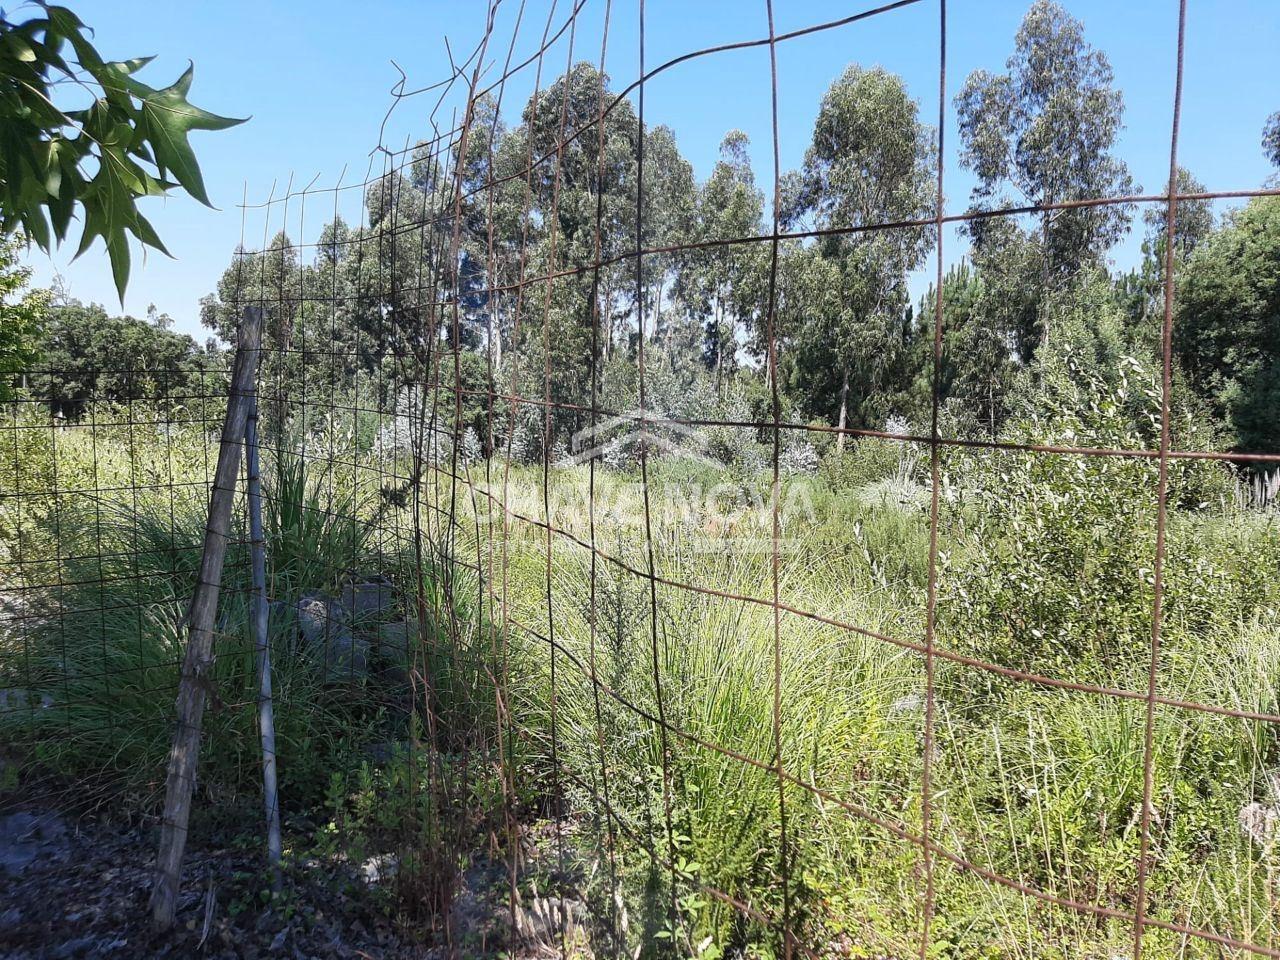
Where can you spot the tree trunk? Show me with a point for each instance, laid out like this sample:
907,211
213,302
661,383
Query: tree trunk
669,344
606,319
657,311
844,411
197,668
719,346
1044,278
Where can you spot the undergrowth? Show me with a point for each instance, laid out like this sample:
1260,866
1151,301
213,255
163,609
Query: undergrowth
531,692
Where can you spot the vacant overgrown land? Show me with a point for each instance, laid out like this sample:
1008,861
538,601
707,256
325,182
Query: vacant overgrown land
1044,566
670,560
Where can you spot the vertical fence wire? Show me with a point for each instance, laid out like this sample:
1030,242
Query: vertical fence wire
1162,500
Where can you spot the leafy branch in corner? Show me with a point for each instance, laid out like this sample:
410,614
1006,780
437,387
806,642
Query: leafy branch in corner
129,142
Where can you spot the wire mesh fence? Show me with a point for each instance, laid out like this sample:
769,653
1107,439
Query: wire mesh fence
527,656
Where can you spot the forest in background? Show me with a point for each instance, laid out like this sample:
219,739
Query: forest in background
853,350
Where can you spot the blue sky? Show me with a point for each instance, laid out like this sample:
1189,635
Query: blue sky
316,77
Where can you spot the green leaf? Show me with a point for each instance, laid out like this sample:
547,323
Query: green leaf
37,227
168,118
109,212
131,135
146,233
19,48
118,251
53,168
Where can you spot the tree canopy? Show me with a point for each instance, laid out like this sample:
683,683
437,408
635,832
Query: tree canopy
1227,334
1040,134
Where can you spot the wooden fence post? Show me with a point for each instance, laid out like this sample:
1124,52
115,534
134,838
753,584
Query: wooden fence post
266,710
197,667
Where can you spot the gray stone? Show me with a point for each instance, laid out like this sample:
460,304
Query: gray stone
912,704
379,869
396,641
347,656
369,599
1272,778
17,700
26,838
318,617
1258,821
325,627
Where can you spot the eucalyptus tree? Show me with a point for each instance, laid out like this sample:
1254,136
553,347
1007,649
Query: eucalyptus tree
978,368
1227,331
271,278
871,163
722,280
1193,220
1043,134
469,181
1271,139
402,270
578,195
670,214
1142,289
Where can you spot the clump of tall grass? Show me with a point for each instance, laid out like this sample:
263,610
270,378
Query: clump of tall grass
103,638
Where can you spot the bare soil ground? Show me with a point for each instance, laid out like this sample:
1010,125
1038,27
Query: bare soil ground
74,885
78,888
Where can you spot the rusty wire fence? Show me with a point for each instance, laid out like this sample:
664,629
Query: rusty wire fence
504,636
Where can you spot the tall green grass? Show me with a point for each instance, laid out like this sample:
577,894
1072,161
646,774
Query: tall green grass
1041,566
1039,785
105,636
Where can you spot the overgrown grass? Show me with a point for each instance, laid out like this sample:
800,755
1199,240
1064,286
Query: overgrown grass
1043,566
104,632
1040,785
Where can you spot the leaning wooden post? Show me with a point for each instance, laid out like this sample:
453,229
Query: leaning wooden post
197,667
266,712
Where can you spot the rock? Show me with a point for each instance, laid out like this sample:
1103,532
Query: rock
1259,821
1272,778
346,656
17,700
27,837
380,868
368,599
912,704
325,627
396,640
318,617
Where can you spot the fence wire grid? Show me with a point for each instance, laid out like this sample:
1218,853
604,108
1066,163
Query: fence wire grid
447,553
